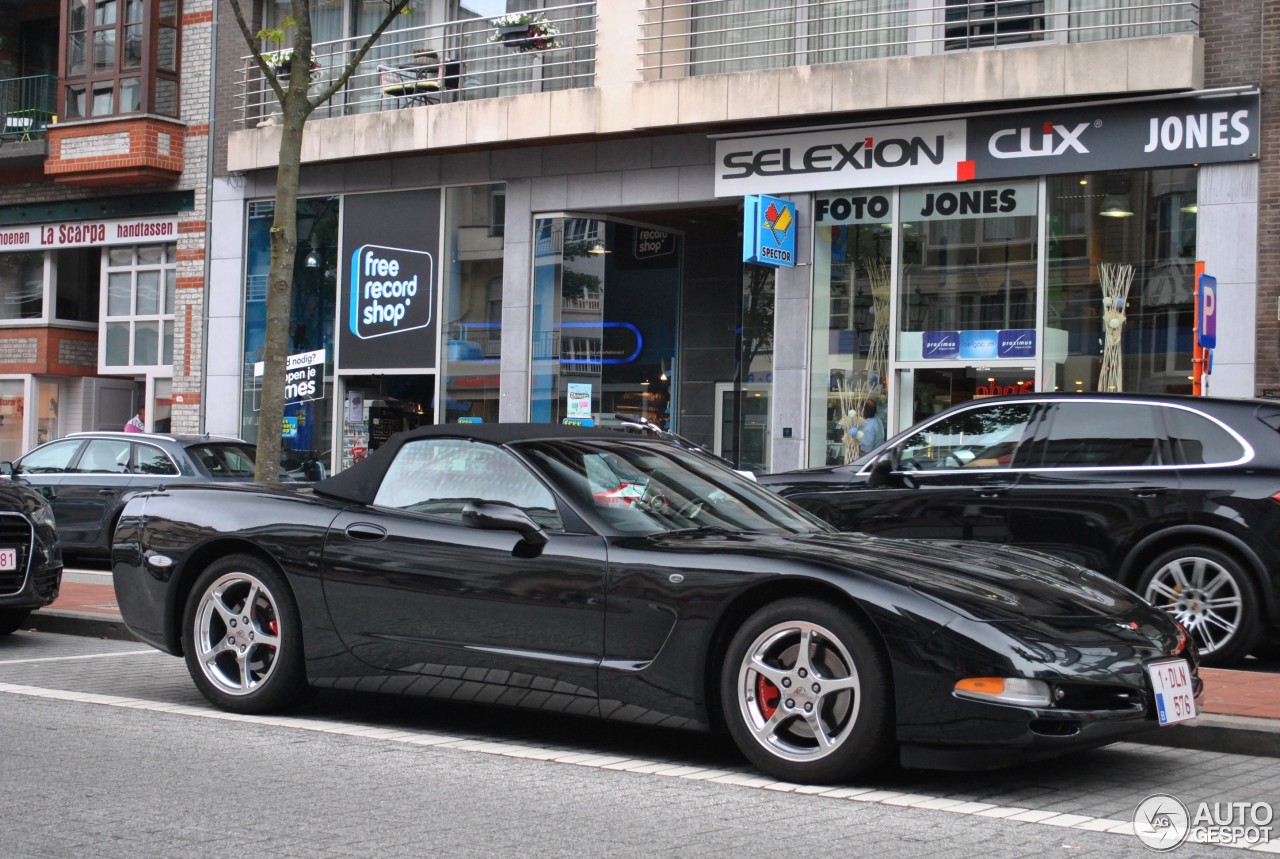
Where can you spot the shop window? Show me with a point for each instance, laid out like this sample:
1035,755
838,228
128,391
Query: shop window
77,274
22,285
308,432
137,308
473,301
121,57
852,265
1133,234
968,264
604,321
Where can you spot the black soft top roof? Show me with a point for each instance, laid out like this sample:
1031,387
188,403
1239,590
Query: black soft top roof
360,482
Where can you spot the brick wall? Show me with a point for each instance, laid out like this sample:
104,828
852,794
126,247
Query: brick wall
1240,49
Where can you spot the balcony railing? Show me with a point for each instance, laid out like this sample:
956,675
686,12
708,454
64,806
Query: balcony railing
683,38
26,107
446,62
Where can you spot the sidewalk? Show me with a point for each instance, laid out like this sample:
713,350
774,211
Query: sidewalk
1240,710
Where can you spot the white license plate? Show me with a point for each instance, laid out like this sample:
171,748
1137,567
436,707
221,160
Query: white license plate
8,559
1175,701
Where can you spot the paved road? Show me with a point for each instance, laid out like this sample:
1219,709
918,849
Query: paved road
108,750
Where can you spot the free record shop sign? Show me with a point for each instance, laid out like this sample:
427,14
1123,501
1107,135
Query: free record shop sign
390,291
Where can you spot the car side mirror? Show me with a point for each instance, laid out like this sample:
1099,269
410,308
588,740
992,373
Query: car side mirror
880,470
491,516
6,469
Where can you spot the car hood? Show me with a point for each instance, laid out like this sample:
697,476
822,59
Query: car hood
983,581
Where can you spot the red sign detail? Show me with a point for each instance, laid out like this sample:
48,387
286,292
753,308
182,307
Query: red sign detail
964,171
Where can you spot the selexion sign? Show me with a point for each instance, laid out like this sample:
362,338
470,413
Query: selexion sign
1053,140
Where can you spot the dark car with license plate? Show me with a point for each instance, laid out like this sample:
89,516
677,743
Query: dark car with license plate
30,557
1176,497
87,477
594,572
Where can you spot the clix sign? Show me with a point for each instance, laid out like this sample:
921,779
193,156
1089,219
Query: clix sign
1051,140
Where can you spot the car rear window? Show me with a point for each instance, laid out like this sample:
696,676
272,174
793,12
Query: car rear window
1197,440
223,459
1101,435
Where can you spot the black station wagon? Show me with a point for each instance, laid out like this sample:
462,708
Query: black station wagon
1176,497
87,477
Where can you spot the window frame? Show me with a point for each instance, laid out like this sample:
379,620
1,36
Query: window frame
167,269
77,87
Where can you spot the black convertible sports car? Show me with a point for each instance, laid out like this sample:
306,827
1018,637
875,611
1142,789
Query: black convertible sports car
594,572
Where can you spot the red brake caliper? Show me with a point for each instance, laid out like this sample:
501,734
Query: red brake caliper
273,626
767,694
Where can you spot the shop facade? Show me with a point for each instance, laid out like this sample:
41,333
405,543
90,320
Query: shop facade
87,316
1064,259
939,260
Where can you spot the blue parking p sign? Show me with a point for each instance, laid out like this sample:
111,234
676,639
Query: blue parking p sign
1207,312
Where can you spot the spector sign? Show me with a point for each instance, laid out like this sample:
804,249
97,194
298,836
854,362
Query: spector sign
769,231
78,234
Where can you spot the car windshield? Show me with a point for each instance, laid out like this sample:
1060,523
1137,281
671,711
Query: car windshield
642,487
223,459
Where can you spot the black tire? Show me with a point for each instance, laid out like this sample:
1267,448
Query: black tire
844,686
12,619
1211,595
242,637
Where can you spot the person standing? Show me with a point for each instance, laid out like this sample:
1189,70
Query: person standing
871,434
137,423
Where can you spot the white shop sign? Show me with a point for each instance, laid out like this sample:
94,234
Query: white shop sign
77,234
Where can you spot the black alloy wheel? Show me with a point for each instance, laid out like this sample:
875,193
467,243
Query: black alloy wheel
242,637
807,694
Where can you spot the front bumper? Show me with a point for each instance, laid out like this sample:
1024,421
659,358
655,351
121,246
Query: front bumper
973,734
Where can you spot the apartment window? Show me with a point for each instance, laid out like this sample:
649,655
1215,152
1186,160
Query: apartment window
993,23
137,308
121,57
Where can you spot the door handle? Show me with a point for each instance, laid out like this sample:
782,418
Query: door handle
366,532
991,491
1147,491
106,492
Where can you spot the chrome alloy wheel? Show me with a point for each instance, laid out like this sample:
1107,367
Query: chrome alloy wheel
798,691
1203,595
237,633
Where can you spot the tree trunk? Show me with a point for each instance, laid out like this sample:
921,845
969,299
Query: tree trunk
284,247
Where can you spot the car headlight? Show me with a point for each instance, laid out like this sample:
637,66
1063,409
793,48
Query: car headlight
44,516
1018,691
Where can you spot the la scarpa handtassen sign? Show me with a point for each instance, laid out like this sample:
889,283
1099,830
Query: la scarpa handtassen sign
390,291
76,234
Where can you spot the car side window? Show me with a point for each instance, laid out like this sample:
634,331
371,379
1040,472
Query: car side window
104,456
1197,440
1093,434
981,437
53,458
149,459
440,476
